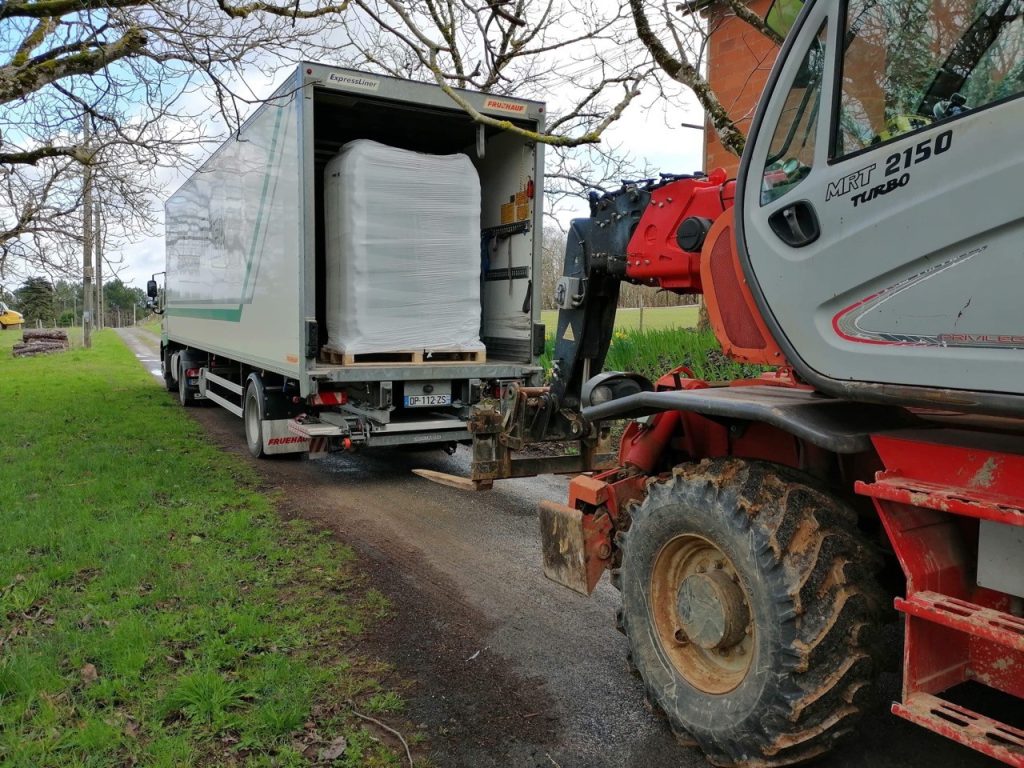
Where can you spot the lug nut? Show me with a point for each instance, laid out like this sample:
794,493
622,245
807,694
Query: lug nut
681,637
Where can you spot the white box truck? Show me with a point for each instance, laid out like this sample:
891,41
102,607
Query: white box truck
246,294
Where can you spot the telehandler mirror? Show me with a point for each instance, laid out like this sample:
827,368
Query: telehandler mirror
151,289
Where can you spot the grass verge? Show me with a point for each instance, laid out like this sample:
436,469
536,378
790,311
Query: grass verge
655,352
654,318
154,610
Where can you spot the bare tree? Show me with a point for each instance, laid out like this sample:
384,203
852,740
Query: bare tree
584,54
677,35
144,73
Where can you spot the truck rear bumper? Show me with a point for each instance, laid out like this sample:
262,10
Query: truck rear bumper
345,434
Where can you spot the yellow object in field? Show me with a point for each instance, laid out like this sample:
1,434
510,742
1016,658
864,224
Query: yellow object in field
9,318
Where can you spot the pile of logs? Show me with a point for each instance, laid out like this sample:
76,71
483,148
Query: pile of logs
41,341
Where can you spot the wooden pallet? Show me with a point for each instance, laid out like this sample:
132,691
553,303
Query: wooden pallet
403,356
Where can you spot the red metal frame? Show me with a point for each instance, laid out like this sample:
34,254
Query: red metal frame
603,499
934,489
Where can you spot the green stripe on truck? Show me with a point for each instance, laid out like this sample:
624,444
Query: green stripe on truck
228,315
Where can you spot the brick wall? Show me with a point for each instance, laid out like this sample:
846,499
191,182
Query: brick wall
739,61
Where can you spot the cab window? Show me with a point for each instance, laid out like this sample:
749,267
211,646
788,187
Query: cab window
791,153
910,63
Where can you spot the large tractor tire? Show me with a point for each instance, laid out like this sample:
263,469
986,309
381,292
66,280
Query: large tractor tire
749,602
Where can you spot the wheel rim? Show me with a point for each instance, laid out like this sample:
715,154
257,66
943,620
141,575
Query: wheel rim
182,385
702,614
252,421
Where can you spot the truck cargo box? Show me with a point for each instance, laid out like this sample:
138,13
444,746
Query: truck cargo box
247,288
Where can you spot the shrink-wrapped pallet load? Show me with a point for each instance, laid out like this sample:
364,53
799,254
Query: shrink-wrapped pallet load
403,251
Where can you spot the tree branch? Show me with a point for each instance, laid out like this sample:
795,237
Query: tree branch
682,71
292,12
17,82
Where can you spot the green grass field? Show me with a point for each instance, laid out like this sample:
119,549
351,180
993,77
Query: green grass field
654,318
154,610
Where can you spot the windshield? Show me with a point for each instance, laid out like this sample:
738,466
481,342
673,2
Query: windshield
910,63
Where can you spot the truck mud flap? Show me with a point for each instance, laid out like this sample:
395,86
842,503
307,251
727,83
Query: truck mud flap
278,438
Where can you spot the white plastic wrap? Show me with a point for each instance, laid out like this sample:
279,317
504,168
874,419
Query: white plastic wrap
403,250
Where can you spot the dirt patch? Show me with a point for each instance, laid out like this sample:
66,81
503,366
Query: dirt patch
475,709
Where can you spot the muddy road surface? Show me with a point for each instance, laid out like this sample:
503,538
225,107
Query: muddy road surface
507,669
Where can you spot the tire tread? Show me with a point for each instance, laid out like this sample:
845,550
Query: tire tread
820,573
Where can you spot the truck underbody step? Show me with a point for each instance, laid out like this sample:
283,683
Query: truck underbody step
986,623
971,729
315,429
891,486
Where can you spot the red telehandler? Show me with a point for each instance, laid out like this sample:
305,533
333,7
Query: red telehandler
870,255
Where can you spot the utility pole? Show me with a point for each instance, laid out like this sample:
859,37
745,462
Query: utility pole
87,237
98,242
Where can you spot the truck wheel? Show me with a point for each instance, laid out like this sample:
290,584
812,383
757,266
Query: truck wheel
749,604
185,395
252,417
165,369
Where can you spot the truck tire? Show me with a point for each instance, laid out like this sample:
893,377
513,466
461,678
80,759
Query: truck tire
165,369
252,416
749,603
185,394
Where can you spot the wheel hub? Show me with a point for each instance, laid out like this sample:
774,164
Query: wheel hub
702,614
712,611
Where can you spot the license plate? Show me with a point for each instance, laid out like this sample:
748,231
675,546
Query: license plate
425,401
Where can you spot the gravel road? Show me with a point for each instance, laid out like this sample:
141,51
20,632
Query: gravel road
507,669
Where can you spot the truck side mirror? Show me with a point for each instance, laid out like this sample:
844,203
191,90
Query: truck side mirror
151,289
